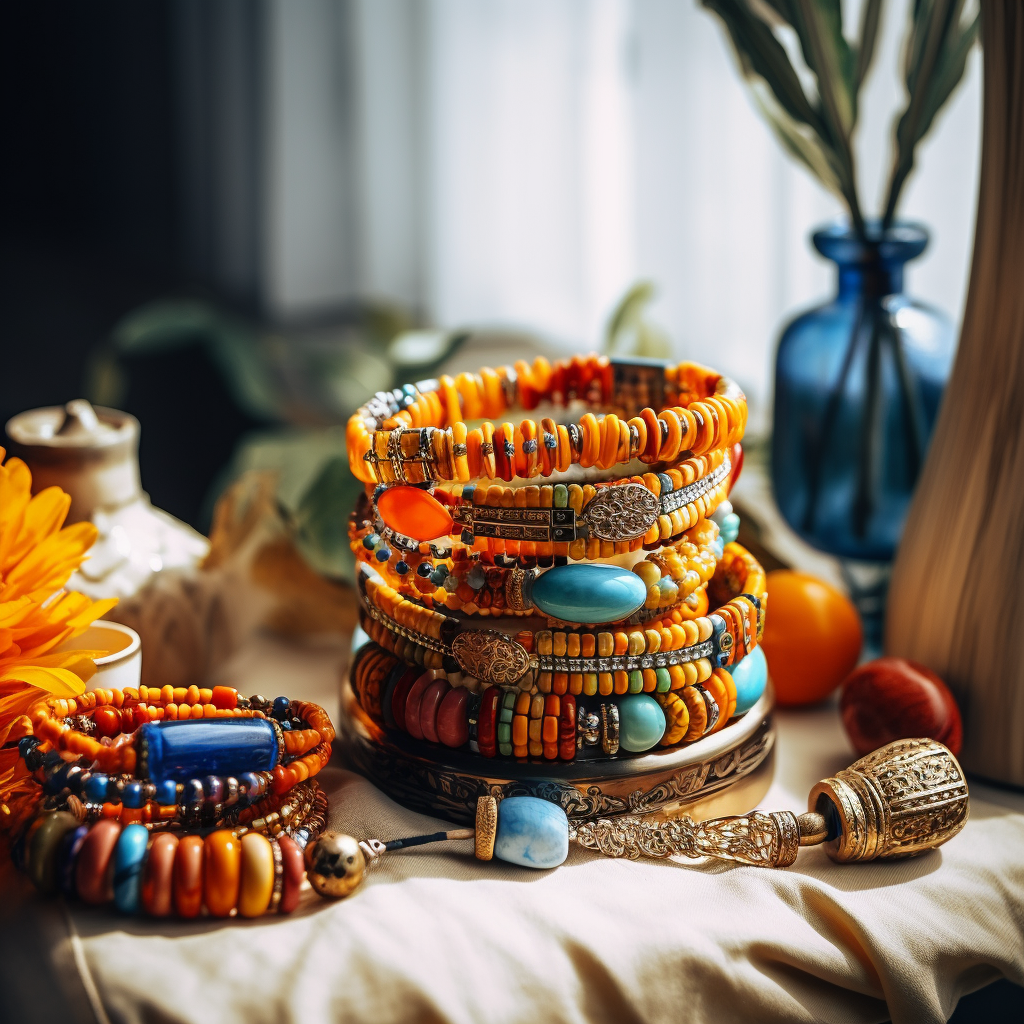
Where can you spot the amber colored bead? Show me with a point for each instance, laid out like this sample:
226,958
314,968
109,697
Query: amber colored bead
188,876
107,721
256,886
222,863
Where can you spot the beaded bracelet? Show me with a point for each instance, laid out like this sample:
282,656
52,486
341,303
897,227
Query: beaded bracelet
175,727
251,870
429,637
575,520
671,573
512,723
419,433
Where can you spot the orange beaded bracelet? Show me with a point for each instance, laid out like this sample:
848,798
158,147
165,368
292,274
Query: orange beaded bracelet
418,433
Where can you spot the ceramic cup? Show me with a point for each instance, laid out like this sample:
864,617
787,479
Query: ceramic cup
122,666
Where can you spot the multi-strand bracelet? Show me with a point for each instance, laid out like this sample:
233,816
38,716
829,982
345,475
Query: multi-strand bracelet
583,615
174,798
419,433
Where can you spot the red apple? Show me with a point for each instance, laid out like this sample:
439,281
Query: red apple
893,699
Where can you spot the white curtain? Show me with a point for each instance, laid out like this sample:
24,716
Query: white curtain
522,162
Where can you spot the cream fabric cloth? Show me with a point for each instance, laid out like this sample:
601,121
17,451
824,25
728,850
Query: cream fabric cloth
436,935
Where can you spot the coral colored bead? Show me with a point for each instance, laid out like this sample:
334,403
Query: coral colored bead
93,879
415,513
487,718
107,721
412,705
452,721
294,874
224,697
256,885
158,876
222,863
188,876
430,703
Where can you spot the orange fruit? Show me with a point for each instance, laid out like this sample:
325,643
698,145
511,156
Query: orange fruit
812,637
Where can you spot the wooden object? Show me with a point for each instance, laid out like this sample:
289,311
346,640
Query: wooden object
956,602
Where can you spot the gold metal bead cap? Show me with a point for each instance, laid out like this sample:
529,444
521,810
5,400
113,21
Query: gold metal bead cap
901,799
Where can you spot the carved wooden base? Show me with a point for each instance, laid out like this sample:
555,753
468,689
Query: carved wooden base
725,773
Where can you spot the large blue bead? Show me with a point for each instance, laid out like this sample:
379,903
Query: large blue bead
750,676
591,593
129,856
208,746
531,832
641,722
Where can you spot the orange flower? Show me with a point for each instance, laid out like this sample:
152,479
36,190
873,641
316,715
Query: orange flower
37,558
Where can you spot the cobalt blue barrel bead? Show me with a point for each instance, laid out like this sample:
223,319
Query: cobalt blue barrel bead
750,676
96,788
207,746
533,833
132,795
167,792
68,857
590,593
641,722
129,857
282,706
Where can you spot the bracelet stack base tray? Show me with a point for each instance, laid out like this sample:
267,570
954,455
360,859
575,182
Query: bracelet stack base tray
728,772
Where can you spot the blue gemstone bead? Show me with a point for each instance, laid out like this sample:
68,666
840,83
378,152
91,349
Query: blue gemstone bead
383,554
590,593
641,722
402,567
67,858
370,541
531,832
214,746
129,857
286,726
423,569
282,707
132,795
750,676
437,578
96,789
167,792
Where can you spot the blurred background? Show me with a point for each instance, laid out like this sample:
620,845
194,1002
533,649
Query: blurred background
218,214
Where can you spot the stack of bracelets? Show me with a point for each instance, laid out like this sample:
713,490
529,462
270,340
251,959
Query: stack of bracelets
174,800
594,612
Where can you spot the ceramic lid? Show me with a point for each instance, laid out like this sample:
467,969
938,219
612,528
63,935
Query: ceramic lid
75,426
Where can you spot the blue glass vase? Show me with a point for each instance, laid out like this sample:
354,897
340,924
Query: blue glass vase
858,383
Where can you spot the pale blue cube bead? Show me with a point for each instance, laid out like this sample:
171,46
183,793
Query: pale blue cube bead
533,833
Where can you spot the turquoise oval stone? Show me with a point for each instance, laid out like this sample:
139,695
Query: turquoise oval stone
531,832
750,676
591,593
641,722
129,857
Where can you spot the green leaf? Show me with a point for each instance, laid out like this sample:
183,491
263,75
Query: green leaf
935,58
628,331
870,17
321,520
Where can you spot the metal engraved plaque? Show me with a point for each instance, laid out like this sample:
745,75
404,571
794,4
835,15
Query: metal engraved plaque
621,513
